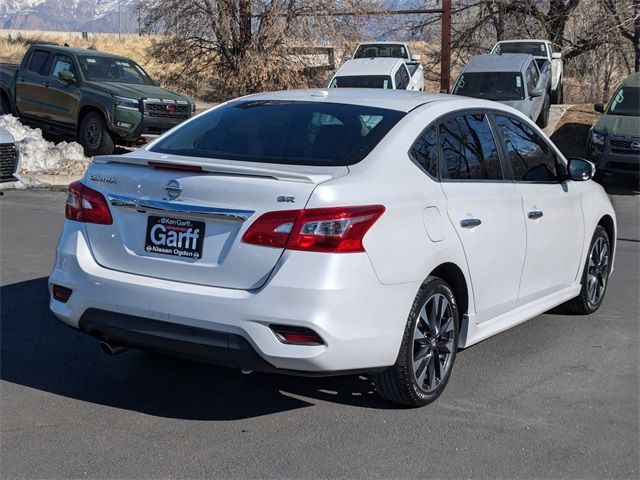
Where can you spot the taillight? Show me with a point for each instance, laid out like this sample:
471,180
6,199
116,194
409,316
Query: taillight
86,205
331,230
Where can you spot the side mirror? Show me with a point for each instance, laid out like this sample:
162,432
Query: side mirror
537,92
581,170
415,57
556,56
598,107
66,76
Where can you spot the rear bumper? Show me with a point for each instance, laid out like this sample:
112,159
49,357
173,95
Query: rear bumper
360,320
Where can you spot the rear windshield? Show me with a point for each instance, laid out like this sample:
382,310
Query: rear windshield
362,81
497,86
537,49
625,102
381,50
294,133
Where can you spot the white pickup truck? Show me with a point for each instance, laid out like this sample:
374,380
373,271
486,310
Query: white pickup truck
393,50
388,73
543,51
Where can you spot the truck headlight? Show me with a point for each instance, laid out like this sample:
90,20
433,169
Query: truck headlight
597,139
127,103
193,108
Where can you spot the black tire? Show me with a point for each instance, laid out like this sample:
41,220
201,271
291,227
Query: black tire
399,383
94,136
5,104
584,303
558,96
543,118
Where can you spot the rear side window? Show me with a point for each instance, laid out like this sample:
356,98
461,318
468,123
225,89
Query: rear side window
424,151
468,149
38,62
530,156
294,133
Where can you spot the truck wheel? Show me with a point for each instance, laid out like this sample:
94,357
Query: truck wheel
543,118
557,96
94,136
428,349
5,104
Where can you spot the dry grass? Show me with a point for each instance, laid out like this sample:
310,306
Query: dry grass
12,50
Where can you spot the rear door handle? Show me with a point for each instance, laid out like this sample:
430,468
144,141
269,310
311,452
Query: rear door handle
470,222
535,214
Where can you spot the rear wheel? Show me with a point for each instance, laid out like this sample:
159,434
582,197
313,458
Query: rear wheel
558,95
595,276
94,136
543,118
428,349
5,104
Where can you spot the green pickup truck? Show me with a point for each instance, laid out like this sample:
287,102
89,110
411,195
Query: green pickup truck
100,100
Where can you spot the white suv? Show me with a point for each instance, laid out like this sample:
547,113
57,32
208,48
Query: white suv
316,232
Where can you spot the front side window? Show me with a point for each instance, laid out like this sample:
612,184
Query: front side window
111,69
532,159
362,81
424,151
283,132
497,86
626,102
468,149
62,64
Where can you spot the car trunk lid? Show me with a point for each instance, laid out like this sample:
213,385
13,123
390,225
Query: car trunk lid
184,219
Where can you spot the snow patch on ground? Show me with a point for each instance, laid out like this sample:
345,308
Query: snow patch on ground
39,156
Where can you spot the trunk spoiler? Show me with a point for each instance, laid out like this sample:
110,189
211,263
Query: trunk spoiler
292,173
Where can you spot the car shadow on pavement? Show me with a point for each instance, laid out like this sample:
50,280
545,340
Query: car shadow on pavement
40,352
620,185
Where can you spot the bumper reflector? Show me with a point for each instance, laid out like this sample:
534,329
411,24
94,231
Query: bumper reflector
61,293
296,335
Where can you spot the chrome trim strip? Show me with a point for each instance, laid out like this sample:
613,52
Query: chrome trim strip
179,208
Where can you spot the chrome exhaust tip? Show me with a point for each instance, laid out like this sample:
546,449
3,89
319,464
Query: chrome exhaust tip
111,350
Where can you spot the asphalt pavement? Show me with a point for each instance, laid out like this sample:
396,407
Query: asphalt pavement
556,397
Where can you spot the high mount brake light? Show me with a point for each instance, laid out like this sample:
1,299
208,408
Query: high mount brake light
330,230
175,166
87,205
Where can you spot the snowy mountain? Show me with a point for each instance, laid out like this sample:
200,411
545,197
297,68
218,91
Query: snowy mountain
69,15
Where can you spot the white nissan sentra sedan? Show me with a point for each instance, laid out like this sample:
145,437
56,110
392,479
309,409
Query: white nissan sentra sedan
332,232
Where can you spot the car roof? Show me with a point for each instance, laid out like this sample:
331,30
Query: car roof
632,80
369,66
523,40
505,62
387,42
76,51
400,100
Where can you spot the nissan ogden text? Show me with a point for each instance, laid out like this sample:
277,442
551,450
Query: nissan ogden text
321,232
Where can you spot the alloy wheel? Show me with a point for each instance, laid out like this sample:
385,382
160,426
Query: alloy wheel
433,338
93,134
598,271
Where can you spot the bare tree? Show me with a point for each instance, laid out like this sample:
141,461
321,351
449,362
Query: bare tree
232,47
626,15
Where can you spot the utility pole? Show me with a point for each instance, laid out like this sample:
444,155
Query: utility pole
119,3
445,48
